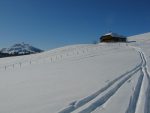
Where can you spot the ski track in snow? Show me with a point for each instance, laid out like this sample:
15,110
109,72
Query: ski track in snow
108,95
105,94
133,106
134,98
147,75
76,104
142,97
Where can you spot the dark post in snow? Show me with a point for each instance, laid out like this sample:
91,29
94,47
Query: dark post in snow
61,56
20,64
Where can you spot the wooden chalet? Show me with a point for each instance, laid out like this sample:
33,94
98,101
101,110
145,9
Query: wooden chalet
113,37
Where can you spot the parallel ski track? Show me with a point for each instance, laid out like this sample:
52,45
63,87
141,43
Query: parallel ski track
146,74
79,103
108,95
134,100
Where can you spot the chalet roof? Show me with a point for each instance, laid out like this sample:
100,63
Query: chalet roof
114,35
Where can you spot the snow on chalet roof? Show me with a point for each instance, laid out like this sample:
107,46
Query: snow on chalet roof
114,35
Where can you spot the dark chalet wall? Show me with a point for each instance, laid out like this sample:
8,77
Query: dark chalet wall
112,39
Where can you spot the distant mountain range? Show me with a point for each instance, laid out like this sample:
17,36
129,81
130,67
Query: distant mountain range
19,49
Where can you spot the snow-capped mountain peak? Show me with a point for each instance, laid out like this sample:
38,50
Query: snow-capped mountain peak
20,48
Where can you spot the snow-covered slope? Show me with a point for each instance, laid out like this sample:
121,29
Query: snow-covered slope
143,38
21,48
86,78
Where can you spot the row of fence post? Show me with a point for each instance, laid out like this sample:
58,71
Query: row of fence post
52,58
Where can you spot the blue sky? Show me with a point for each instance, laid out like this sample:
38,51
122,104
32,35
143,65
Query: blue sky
54,23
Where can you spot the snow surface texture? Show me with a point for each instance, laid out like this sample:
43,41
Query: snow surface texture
86,78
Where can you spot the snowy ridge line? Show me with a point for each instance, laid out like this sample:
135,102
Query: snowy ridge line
78,103
134,98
